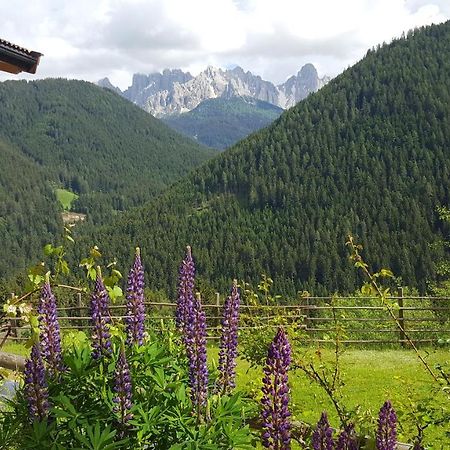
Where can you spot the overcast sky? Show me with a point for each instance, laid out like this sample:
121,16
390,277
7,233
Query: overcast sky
91,39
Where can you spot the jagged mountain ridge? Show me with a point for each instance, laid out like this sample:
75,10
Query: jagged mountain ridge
176,92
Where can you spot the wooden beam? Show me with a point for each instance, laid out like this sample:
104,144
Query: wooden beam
12,362
10,68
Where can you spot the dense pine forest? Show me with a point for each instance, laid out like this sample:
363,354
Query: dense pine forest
29,214
74,135
368,154
221,122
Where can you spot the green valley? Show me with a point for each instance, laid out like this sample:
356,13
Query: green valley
104,154
221,122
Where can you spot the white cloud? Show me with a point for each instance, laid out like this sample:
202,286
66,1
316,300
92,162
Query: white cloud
116,38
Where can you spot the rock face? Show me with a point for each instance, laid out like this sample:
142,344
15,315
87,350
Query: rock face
298,86
105,83
144,87
176,92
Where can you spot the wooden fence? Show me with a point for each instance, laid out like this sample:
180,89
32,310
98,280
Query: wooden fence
352,319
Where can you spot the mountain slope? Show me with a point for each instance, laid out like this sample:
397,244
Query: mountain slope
368,154
29,214
74,135
220,123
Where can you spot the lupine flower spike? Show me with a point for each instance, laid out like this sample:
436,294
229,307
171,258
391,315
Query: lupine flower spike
135,315
228,342
185,298
49,332
101,318
195,341
347,439
322,438
122,390
36,391
275,400
386,437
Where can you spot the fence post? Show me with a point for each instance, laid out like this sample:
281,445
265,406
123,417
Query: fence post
217,321
401,318
14,323
306,313
80,309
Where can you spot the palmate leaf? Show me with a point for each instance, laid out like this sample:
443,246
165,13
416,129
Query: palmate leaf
240,438
40,436
8,428
98,437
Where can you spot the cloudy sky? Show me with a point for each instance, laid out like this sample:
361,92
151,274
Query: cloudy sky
91,39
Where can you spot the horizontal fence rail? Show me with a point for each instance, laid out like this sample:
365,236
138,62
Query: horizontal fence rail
351,319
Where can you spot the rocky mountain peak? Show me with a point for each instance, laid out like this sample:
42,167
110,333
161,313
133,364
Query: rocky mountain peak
105,83
299,86
174,91
308,70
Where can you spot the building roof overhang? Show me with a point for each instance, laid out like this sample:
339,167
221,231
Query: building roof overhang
15,59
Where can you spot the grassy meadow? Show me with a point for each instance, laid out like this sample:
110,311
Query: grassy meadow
66,198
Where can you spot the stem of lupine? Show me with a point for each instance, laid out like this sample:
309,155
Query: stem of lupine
135,314
49,332
101,318
322,438
123,390
194,338
228,342
36,390
275,400
386,437
185,298
347,439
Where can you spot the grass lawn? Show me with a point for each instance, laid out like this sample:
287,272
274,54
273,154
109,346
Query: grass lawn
65,197
13,347
370,377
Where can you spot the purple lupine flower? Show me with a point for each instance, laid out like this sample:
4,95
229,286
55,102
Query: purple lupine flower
386,437
347,439
135,315
322,438
275,400
122,389
101,318
195,341
185,298
36,390
228,342
49,332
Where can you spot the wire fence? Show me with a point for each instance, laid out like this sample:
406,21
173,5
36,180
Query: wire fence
351,319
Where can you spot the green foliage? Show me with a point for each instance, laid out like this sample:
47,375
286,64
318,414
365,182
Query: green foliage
90,264
221,122
83,139
367,154
82,415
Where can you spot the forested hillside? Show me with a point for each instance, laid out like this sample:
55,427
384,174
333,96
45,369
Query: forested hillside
221,122
368,154
77,136
29,214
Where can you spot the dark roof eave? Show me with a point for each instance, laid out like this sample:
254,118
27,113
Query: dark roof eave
17,59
